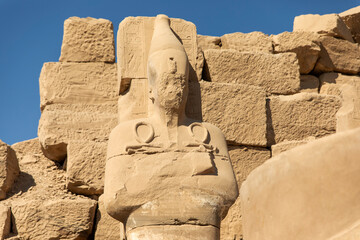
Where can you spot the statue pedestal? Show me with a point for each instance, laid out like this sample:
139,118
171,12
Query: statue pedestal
174,232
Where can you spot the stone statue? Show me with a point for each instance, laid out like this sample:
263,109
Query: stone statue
168,176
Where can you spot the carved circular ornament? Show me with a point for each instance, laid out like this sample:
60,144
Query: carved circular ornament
198,132
144,132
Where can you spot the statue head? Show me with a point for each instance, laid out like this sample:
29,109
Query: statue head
168,68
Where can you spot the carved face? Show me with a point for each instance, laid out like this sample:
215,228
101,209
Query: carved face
168,79
170,90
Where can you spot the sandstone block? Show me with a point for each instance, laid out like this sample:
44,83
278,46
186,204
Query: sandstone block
31,146
74,83
247,42
133,41
87,40
303,115
338,56
351,18
86,167
312,188
208,42
9,168
237,109
60,123
304,44
328,24
331,82
54,219
244,160
5,221
287,145
309,83
106,226
277,73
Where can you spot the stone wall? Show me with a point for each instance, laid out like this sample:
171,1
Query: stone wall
267,94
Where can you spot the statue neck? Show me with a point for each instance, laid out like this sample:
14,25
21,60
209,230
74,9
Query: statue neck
171,119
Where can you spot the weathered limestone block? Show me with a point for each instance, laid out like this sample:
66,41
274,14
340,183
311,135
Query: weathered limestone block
133,41
31,146
244,160
303,115
9,168
309,192
86,167
5,221
107,227
351,18
338,56
60,123
332,82
309,83
208,42
287,145
78,101
328,24
247,42
304,44
277,73
87,40
54,219
237,109
74,83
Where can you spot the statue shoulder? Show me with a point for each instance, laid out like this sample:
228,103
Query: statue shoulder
127,133
216,138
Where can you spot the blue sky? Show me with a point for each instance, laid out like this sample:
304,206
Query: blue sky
31,34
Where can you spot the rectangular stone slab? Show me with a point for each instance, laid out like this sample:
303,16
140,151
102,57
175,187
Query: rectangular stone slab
54,219
247,42
304,44
86,167
68,83
88,40
276,73
338,55
239,110
303,115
